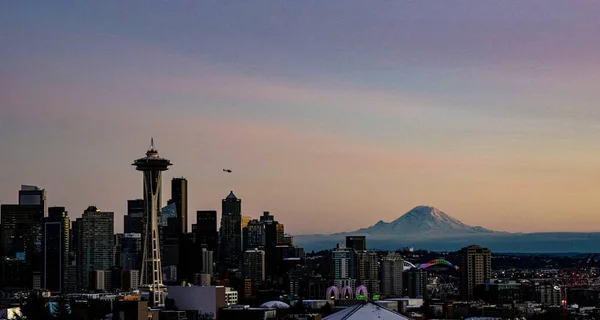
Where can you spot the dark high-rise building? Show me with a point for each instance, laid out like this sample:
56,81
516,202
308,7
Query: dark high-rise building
77,249
272,259
475,270
132,251
170,234
133,222
152,166
21,245
186,267
254,235
206,230
231,233
358,243
33,196
414,282
118,250
55,249
179,195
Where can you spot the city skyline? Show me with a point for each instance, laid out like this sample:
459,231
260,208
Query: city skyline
327,113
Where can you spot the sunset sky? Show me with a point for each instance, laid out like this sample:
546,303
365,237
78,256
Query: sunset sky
331,114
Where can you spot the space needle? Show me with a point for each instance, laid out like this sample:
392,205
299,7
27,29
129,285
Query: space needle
151,282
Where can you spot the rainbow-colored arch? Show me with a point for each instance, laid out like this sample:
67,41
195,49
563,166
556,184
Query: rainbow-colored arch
437,262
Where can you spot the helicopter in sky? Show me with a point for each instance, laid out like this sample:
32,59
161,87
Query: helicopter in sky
227,170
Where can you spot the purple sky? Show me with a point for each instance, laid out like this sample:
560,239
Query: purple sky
332,114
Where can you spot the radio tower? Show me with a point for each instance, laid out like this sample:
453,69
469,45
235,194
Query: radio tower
151,278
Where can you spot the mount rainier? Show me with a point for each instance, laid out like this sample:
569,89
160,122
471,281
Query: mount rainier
428,228
423,221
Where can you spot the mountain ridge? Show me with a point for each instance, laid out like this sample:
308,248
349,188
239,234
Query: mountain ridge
424,221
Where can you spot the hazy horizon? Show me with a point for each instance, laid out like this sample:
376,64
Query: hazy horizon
331,114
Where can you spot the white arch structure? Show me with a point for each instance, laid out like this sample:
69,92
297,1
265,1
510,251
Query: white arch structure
408,265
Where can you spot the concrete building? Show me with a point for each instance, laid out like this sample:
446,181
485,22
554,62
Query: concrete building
414,283
254,265
475,270
130,280
205,300
548,294
368,270
391,275
207,261
97,229
344,263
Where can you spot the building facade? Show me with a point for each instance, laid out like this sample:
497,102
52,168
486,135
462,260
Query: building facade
367,272
231,233
55,249
475,270
97,249
391,275
254,265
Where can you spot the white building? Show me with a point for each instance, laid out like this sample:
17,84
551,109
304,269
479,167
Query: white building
231,297
206,300
366,311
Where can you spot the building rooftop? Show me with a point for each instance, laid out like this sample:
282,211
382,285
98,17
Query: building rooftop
231,195
366,311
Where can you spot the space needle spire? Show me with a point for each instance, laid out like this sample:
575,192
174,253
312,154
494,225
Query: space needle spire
151,282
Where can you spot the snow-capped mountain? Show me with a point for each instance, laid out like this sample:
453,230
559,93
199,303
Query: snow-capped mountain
423,221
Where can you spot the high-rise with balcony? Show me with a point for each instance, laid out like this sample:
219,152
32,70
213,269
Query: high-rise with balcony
367,271
254,265
97,248
391,275
475,270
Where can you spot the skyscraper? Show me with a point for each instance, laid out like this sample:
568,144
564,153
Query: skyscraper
77,237
254,235
206,231
414,283
179,195
33,196
367,271
231,232
344,263
254,265
21,227
132,251
475,269
391,275
97,248
133,222
152,166
55,249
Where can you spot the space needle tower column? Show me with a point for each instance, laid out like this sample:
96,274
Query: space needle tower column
152,166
